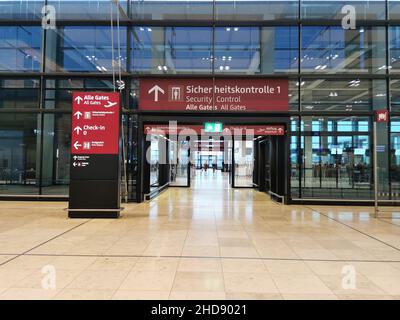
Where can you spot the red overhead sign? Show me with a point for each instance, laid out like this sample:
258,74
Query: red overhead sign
95,123
220,95
256,130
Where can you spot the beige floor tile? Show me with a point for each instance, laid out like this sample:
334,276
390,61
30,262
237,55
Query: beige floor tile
316,254
249,283
276,253
365,297
148,281
243,265
234,242
28,294
98,280
361,286
29,262
163,251
201,251
327,267
252,296
84,294
115,264
156,264
300,284
4,258
288,267
390,284
309,297
73,262
39,278
200,265
198,281
233,234
199,295
140,295
242,252
9,277
376,269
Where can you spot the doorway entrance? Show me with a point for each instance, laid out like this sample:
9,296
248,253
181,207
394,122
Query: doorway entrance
250,156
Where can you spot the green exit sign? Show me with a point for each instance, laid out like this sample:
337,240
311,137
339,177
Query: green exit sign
213,127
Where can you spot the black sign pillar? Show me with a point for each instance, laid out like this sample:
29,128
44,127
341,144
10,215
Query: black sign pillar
95,168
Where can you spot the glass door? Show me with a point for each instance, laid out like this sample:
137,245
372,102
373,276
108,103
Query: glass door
179,156
243,165
395,164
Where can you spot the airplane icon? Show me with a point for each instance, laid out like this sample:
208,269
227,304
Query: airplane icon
110,104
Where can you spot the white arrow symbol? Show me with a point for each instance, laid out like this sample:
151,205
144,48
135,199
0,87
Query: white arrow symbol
156,89
74,164
78,99
77,145
77,129
78,114
75,157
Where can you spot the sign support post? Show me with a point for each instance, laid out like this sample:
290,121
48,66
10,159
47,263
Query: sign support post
380,116
95,159
375,172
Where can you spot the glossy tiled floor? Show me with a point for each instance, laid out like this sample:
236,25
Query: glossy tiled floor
209,242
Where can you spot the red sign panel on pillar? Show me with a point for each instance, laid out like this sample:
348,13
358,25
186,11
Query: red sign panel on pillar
95,123
220,95
382,115
235,130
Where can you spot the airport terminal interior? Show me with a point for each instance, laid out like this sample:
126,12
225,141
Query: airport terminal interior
294,196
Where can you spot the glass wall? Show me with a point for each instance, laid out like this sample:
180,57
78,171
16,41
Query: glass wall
394,9
84,48
394,49
240,50
243,163
342,95
203,10
256,10
336,158
330,49
165,10
333,10
19,154
254,50
395,158
130,131
20,48
56,158
171,50
337,78
21,10
19,93
88,9
395,95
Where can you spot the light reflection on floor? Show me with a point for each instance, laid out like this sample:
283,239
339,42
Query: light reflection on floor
206,242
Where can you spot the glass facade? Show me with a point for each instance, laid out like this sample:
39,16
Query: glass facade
337,78
20,48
